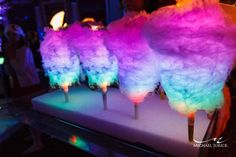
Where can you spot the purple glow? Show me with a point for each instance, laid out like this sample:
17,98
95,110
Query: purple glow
3,9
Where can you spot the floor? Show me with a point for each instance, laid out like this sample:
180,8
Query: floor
18,139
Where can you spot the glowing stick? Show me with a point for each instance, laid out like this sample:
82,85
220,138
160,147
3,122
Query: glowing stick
191,119
66,89
136,114
104,95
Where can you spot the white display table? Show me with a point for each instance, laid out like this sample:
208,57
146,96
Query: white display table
158,125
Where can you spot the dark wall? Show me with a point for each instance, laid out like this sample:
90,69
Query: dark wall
92,8
22,14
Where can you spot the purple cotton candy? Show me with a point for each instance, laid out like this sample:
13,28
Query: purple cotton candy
99,65
60,64
196,44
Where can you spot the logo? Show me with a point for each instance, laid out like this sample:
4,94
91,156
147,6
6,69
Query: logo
211,143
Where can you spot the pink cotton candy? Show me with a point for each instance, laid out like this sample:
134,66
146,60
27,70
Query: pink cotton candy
138,68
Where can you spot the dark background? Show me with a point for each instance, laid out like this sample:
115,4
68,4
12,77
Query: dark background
21,12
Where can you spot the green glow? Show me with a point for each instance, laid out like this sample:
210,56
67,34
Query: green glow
1,60
63,78
79,142
187,96
99,79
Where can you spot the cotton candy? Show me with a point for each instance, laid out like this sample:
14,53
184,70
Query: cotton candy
59,62
138,66
196,44
99,65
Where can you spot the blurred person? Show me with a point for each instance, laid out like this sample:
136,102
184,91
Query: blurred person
223,114
25,78
21,65
34,45
134,5
6,84
131,9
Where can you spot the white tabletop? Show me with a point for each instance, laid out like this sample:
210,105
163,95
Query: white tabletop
158,125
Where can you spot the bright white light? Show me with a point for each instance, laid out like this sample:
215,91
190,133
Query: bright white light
57,20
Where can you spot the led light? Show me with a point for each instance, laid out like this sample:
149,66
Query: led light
1,60
79,142
88,19
57,20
